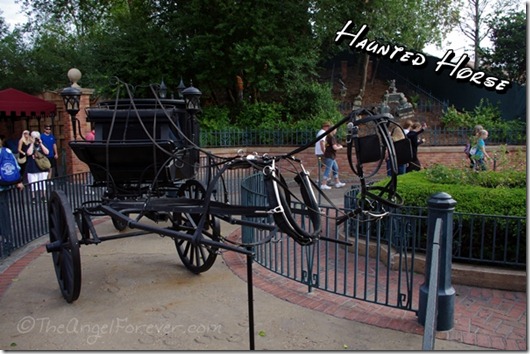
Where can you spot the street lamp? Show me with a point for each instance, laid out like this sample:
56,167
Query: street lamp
71,98
192,99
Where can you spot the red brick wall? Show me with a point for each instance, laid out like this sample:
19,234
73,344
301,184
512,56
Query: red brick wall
445,155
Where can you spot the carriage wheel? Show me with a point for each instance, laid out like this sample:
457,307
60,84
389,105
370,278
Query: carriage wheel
197,258
64,246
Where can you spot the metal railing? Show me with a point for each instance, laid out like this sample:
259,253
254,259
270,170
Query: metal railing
493,240
375,268
435,136
24,214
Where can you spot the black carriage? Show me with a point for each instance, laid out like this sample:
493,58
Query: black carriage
146,154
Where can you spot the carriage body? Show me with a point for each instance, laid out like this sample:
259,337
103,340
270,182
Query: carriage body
139,142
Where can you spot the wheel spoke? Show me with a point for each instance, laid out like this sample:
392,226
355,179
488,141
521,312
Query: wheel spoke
66,258
196,257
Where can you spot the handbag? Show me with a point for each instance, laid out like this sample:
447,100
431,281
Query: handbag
21,159
42,161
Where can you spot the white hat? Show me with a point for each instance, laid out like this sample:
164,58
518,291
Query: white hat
35,135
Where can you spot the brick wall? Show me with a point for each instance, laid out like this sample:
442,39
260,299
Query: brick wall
445,155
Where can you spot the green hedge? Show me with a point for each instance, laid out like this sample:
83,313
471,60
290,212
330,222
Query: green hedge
490,192
495,239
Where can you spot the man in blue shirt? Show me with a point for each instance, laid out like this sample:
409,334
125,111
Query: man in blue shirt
48,139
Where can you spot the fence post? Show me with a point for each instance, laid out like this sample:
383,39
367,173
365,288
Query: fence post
441,205
5,226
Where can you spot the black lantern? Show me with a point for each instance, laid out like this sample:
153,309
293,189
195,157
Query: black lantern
192,99
162,91
181,87
71,98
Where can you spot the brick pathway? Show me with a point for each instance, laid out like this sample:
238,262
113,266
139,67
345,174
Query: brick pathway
487,318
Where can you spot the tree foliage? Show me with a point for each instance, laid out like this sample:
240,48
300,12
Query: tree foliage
274,46
507,58
409,23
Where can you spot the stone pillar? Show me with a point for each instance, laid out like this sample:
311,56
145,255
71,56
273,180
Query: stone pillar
73,164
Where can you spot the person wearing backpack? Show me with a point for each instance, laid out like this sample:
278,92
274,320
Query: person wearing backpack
9,168
478,152
10,177
472,142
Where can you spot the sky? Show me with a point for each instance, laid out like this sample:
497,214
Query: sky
455,40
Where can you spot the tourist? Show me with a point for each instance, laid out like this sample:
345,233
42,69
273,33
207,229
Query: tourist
330,154
48,139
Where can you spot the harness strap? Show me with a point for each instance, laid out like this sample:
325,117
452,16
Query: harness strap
279,202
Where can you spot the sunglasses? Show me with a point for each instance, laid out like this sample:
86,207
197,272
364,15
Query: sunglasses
47,128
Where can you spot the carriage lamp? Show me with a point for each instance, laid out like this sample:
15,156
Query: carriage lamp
192,99
162,90
71,97
181,87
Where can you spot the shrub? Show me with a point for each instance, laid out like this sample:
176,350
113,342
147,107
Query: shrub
214,118
492,193
485,114
488,238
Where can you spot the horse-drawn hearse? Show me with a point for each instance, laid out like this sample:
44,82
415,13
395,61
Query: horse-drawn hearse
146,155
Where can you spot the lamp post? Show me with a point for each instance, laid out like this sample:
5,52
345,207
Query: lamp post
192,99
71,98
192,104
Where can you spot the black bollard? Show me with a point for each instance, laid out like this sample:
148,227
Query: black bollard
441,205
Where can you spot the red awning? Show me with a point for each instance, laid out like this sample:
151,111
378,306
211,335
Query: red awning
17,103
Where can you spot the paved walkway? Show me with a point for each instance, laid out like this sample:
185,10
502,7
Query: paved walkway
484,318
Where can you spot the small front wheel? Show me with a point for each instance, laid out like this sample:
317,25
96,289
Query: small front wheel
197,258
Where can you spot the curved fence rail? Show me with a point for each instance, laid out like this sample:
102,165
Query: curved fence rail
375,260
349,263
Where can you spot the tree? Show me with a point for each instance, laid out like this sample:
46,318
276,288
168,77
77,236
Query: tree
507,57
267,43
410,23
475,17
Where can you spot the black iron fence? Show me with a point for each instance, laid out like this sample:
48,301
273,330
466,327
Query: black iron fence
298,137
494,240
24,214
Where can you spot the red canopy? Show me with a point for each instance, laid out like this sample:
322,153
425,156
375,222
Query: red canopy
18,103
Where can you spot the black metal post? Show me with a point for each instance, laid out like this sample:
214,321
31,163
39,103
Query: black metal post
441,206
5,225
250,289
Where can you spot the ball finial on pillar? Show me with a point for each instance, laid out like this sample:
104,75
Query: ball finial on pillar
74,75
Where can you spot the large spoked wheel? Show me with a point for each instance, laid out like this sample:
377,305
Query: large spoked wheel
64,246
197,258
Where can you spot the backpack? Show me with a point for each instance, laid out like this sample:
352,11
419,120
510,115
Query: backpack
467,148
9,169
